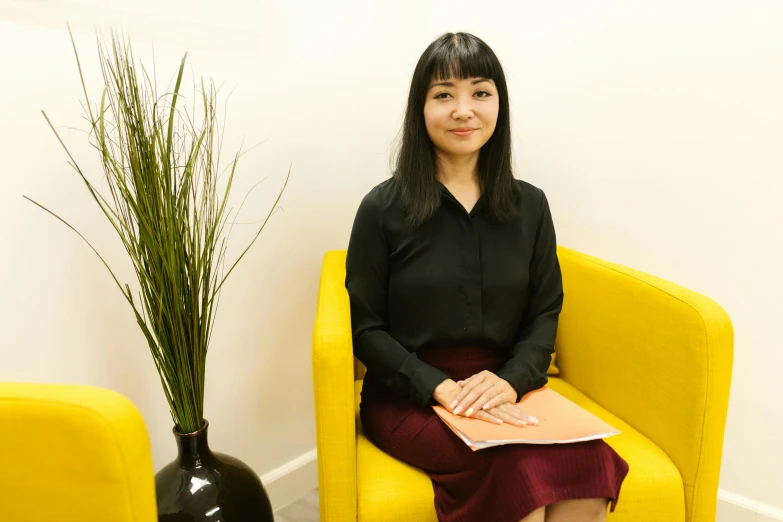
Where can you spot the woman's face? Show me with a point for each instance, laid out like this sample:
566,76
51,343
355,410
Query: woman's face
461,114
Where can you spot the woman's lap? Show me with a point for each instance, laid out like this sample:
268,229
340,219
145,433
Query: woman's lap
508,481
416,436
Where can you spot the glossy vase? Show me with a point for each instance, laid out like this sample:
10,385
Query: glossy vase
200,485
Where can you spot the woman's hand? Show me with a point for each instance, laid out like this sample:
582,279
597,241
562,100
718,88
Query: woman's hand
483,391
446,393
508,412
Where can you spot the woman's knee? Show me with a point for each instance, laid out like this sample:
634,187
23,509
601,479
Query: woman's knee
581,510
536,516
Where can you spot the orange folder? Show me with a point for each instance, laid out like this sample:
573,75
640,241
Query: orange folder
560,421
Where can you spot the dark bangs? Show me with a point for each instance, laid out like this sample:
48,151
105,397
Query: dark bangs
462,57
459,56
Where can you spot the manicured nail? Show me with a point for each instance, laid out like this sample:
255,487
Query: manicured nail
520,421
486,406
500,421
533,420
459,409
469,412
454,403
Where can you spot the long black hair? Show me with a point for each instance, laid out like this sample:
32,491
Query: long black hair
458,55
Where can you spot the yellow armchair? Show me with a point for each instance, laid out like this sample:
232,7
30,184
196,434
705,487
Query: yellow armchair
73,454
648,356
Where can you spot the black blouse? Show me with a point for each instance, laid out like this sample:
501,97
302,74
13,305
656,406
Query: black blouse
460,278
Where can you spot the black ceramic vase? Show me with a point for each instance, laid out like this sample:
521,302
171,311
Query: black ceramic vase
201,486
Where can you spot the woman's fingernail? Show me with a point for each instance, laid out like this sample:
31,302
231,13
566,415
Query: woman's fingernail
533,420
520,421
486,406
454,403
500,421
459,409
469,412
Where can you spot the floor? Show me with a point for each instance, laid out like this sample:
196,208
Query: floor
303,510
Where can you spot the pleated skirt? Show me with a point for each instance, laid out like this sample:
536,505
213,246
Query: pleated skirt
499,484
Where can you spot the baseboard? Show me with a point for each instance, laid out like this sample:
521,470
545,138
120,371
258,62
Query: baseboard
736,508
292,481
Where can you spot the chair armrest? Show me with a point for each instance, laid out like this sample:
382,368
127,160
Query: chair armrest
333,386
655,354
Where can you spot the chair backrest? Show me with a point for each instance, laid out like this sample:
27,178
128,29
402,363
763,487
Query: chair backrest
73,454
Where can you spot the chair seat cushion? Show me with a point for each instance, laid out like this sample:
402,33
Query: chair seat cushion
390,490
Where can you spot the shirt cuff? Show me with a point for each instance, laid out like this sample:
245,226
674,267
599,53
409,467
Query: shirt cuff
424,378
520,380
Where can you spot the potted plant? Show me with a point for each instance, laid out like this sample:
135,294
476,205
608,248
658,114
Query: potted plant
167,200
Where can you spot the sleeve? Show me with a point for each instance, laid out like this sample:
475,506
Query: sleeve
367,280
531,354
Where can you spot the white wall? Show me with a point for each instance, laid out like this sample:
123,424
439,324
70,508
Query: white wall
654,127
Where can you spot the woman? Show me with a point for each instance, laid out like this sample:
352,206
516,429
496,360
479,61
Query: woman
455,292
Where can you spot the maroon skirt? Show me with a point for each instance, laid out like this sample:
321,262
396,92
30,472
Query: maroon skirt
509,481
